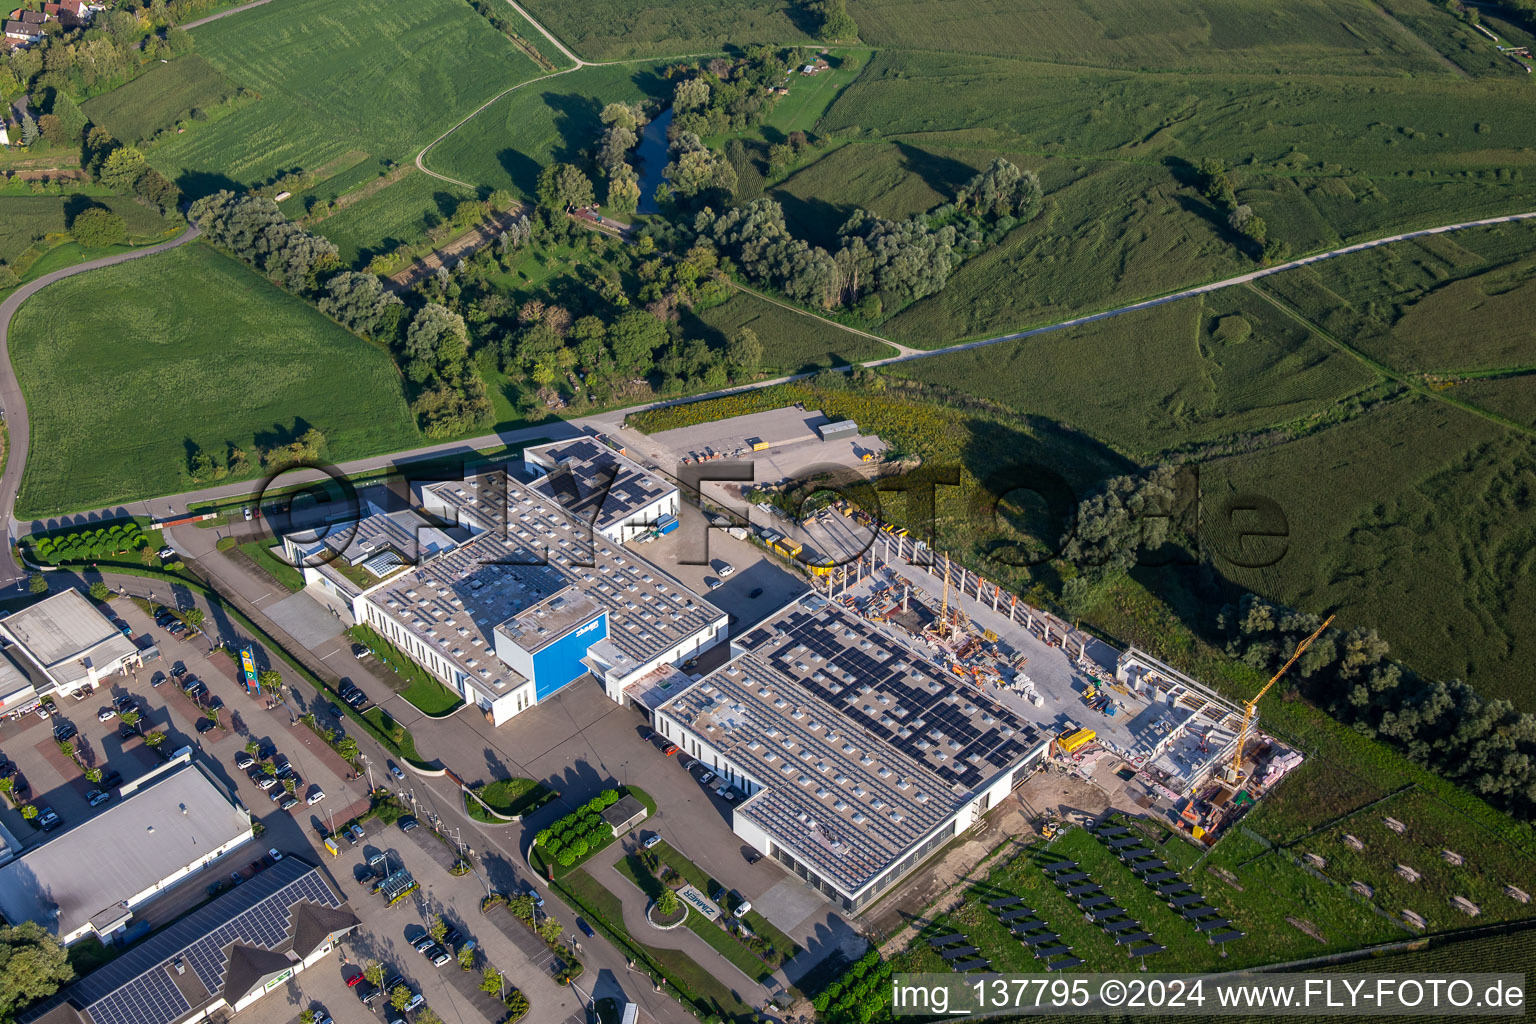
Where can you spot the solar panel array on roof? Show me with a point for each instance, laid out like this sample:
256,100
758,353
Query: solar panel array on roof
863,750
138,987
962,737
595,484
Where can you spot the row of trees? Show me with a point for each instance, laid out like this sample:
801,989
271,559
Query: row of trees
1485,746
578,833
204,466
624,123
896,262
256,231
431,344
85,544
588,335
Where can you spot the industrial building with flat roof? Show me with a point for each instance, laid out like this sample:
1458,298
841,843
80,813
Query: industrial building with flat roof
861,756
601,487
69,642
532,601
89,879
217,960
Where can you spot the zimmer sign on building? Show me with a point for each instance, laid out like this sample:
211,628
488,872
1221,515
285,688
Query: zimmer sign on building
698,901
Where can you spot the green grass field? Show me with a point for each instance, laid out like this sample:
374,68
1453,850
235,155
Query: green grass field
1162,378
792,342
622,29
25,220
399,214
543,122
333,80
1313,36
159,98
124,367
1408,519
1379,154
889,179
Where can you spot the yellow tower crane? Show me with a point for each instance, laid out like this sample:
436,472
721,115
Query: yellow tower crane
1235,775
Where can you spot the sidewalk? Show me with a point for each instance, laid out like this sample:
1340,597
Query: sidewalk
602,868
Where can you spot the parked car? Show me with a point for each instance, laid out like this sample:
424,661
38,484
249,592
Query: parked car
586,929
315,797
743,907
438,955
126,702
243,759
355,979
651,840
452,937
266,782
47,820
417,1002
724,569
360,651
247,512
64,731
97,797
407,823
422,941
111,779
128,732
106,714
367,992
275,853
167,554
355,834
669,749
707,778
287,803
157,679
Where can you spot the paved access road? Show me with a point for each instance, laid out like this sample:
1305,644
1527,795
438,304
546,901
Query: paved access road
11,398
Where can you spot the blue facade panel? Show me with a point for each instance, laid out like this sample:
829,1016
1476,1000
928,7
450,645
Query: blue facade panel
560,662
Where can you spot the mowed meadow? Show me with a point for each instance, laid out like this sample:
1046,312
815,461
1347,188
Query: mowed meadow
126,368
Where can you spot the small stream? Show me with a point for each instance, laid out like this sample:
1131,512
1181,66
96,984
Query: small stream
651,159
